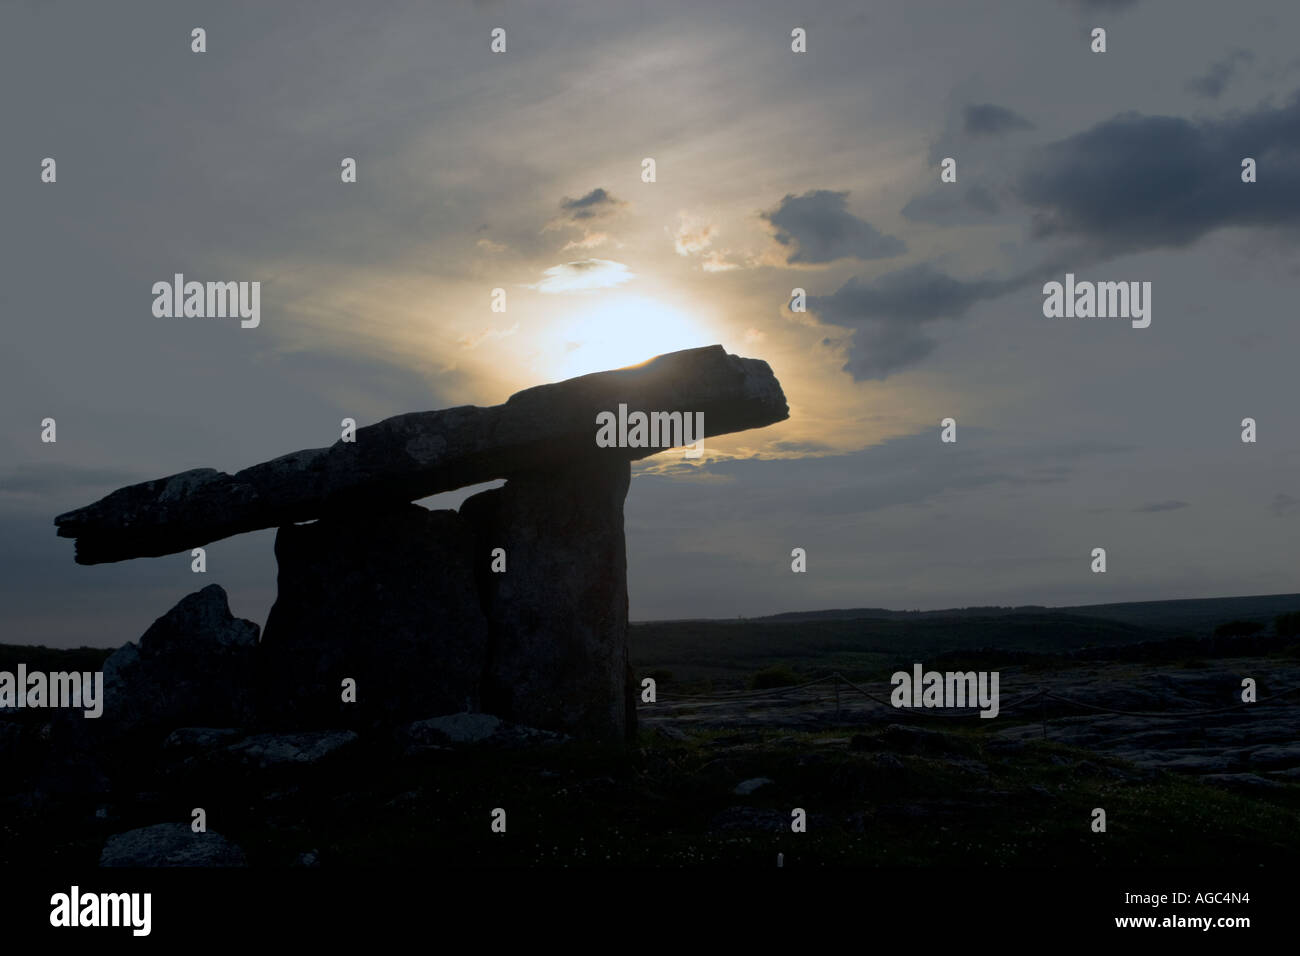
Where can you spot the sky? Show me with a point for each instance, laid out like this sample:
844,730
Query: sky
775,170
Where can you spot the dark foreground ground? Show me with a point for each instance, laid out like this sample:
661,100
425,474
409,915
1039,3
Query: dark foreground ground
719,769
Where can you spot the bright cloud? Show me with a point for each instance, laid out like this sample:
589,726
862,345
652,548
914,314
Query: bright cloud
584,274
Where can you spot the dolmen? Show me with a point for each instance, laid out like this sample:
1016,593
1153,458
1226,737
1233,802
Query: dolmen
514,605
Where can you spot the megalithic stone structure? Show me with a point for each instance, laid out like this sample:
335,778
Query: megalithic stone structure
418,454
419,608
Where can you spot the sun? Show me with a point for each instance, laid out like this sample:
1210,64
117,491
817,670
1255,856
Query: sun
621,330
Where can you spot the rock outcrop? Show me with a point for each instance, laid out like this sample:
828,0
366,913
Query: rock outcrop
193,666
170,844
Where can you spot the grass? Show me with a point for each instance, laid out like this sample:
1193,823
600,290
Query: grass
888,797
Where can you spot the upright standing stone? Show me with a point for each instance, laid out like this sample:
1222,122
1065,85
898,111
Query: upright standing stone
384,596
558,613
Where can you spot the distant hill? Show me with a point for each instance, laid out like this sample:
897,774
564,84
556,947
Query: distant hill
869,640
1192,615
698,650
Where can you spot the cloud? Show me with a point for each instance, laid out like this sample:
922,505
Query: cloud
910,469
887,315
953,205
595,204
988,119
817,228
916,293
692,235
797,448
584,274
1141,182
1130,183
589,241
716,261
924,505
1215,80
1155,506
976,121
583,212
487,245
474,341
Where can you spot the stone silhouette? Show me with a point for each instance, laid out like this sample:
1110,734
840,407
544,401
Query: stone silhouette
405,601
557,617
412,456
384,595
192,665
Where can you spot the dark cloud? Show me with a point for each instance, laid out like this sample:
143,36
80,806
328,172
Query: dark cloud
884,348
976,121
988,119
915,294
1215,80
1162,506
1128,184
595,204
817,227
888,315
1141,182
1284,504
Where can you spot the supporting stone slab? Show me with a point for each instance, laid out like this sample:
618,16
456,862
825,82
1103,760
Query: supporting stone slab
558,613
385,596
